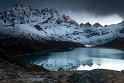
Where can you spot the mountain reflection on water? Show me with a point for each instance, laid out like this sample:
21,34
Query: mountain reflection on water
79,59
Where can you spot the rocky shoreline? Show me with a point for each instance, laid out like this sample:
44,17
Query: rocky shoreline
15,70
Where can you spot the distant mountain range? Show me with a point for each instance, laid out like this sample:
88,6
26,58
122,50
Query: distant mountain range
27,30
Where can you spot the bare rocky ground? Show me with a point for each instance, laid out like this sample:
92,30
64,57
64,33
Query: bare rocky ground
18,71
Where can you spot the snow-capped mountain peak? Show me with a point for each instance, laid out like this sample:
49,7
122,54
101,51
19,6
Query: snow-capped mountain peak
18,7
97,25
48,24
69,20
23,13
88,24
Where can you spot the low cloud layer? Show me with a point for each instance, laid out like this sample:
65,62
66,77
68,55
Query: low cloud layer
100,8
96,7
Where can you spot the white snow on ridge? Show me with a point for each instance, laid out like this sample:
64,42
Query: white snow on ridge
62,33
50,25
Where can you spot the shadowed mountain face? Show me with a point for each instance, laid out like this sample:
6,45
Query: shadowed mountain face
13,63
27,30
117,43
14,45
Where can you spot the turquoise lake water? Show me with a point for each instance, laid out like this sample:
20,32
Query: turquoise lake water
79,59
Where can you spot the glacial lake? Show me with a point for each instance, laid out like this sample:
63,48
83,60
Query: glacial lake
78,59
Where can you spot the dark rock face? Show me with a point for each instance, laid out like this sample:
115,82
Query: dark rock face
97,25
85,78
122,30
88,24
12,63
91,33
96,76
74,77
82,25
15,46
69,20
38,27
122,71
116,43
93,76
50,78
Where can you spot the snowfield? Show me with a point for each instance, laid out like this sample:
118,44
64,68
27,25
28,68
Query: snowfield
22,20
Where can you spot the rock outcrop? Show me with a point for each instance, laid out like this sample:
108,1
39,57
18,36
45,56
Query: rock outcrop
93,76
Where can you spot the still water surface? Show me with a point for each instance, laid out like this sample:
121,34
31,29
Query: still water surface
79,59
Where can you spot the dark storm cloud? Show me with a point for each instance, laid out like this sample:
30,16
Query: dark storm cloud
96,7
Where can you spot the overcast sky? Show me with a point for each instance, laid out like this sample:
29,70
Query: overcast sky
82,11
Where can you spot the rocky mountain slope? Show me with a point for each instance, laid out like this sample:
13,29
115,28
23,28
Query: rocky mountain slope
22,45
24,27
